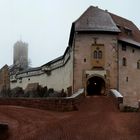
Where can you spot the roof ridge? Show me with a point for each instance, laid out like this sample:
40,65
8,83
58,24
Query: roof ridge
120,17
83,13
96,19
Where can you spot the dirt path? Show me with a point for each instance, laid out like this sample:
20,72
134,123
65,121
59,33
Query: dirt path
97,119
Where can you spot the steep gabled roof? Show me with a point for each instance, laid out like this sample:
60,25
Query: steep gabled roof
95,19
98,20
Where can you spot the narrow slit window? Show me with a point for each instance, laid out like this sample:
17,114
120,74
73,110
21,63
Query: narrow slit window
138,64
124,61
84,59
126,79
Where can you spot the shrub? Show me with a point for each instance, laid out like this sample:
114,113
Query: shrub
17,92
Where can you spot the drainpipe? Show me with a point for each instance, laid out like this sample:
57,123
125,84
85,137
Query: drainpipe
117,66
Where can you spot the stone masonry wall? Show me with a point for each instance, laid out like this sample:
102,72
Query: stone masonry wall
55,104
83,58
59,78
129,75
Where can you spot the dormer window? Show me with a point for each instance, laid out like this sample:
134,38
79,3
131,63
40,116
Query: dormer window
128,31
118,26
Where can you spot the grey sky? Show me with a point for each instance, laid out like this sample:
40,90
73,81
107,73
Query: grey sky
45,24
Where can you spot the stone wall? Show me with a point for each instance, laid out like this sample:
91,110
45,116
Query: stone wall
129,75
60,76
56,104
4,78
117,97
48,104
83,58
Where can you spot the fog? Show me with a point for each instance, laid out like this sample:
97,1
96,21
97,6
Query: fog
45,24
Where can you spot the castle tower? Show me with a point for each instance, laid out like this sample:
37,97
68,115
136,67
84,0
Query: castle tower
20,55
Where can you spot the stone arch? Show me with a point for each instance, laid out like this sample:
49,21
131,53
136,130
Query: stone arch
96,85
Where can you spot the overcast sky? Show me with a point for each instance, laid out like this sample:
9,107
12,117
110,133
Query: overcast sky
45,24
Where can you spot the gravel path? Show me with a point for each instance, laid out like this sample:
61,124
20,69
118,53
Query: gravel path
96,119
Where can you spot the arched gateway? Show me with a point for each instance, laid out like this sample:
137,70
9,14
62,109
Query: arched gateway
95,86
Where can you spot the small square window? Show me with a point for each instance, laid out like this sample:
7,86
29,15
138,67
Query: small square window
85,60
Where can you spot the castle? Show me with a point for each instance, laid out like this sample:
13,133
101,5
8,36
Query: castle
103,53
20,55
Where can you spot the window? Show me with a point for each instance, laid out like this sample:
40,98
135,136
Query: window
128,31
95,54
133,50
100,54
138,64
84,59
126,79
123,47
87,75
124,61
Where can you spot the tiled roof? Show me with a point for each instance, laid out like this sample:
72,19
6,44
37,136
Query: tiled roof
126,24
30,69
95,19
57,59
130,41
